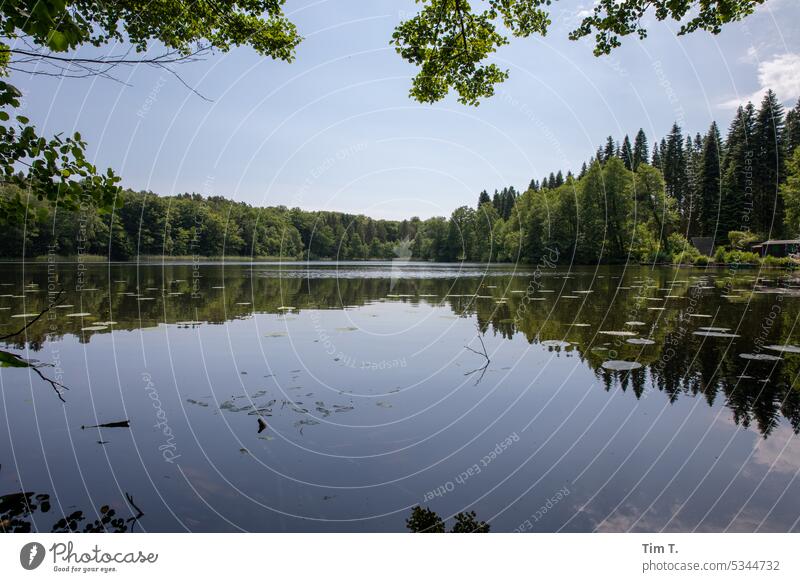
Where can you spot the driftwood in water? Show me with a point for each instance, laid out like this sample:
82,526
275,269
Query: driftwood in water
261,425
119,424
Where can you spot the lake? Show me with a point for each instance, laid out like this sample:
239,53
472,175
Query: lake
335,397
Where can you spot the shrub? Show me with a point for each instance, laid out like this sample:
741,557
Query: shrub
701,260
681,250
739,239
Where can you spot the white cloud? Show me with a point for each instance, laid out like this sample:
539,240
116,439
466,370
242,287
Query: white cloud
781,74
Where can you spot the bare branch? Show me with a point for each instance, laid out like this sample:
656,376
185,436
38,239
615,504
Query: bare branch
59,298
29,62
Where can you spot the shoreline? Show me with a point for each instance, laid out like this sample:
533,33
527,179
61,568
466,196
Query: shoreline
294,261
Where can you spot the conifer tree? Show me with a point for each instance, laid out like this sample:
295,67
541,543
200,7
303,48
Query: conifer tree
675,170
656,161
792,130
626,153
707,186
768,166
640,153
484,197
737,167
610,150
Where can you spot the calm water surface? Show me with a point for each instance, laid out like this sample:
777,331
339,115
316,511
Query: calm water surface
376,396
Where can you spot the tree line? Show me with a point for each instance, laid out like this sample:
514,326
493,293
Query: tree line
628,202
634,202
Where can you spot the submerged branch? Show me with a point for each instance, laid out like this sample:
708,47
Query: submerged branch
59,298
483,354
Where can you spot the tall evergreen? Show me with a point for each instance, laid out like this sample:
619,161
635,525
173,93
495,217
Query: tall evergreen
768,166
656,161
497,202
626,153
707,184
736,180
792,130
675,170
583,171
559,179
640,153
484,198
610,150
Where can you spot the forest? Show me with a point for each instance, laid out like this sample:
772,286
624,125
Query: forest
629,202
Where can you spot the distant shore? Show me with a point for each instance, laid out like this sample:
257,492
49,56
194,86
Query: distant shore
182,260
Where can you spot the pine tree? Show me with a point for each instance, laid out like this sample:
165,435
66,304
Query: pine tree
693,153
583,171
768,166
534,185
792,130
675,170
737,167
551,181
656,161
707,186
610,149
626,153
484,197
640,153
790,192
559,179
497,201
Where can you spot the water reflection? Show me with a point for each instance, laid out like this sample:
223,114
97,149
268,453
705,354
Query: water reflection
566,312
333,397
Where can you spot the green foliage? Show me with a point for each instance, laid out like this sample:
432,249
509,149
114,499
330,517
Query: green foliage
191,225
740,239
735,257
62,25
428,521
615,18
683,252
790,191
467,522
56,169
424,521
783,262
451,41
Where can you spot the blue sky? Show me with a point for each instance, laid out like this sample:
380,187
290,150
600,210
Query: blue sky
336,130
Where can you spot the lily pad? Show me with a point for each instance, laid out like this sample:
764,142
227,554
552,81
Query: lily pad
761,357
788,349
618,333
555,344
621,365
716,334
640,341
